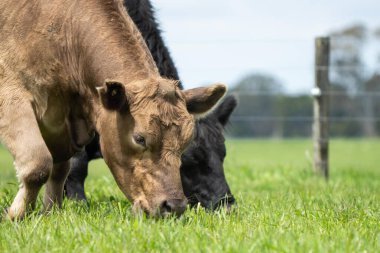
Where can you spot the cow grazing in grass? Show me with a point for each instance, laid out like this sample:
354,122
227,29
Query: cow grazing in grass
202,171
68,68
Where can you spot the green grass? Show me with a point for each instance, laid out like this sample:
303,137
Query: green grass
282,207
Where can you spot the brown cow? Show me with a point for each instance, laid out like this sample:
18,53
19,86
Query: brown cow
69,67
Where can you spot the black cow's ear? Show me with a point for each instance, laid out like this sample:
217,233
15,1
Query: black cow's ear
112,95
225,108
201,100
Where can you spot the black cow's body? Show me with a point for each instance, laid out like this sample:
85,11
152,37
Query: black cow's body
202,172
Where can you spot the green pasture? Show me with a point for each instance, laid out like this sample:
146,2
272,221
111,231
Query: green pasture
282,207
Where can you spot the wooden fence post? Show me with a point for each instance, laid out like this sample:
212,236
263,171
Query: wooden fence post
321,106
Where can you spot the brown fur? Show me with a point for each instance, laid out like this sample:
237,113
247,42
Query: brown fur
51,64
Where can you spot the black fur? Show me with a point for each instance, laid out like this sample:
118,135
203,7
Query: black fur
142,13
202,170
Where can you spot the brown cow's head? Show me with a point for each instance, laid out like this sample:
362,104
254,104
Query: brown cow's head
144,127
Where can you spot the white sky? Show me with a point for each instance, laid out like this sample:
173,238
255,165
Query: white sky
222,40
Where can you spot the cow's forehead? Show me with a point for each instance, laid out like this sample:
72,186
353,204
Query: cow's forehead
168,108
163,115
170,124
160,111
148,88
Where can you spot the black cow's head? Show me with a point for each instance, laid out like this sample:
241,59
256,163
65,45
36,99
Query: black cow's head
202,171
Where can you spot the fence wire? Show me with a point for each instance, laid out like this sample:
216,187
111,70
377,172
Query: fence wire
347,114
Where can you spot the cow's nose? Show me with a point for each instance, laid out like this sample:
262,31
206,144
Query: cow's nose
173,206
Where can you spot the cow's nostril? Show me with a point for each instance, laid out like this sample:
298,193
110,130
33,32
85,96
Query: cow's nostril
173,206
165,207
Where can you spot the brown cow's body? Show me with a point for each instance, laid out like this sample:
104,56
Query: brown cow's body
51,64
44,58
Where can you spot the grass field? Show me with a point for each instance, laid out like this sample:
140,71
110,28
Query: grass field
282,207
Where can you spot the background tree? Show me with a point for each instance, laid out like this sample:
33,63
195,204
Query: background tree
353,80
265,110
257,94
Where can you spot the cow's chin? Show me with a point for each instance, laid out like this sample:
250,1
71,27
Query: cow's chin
149,198
141,206
140,203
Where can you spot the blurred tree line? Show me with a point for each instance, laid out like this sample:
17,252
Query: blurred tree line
265,110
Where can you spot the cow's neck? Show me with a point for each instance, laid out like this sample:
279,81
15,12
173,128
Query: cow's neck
106,45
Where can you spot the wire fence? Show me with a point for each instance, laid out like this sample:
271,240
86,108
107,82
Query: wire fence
268,114
354,110
301,119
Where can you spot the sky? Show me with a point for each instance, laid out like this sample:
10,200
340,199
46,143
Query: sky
225,40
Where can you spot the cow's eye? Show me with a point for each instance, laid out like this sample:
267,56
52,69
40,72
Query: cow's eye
139,140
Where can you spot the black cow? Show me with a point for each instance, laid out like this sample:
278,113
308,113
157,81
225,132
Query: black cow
202,170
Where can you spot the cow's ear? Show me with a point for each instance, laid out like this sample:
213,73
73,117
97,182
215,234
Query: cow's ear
223,111
112,95
201,100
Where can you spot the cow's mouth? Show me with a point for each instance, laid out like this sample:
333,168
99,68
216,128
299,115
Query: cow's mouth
225,201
